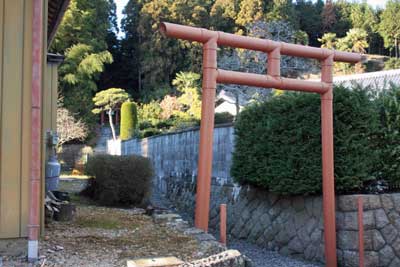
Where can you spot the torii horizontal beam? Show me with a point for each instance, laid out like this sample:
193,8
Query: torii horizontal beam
212,75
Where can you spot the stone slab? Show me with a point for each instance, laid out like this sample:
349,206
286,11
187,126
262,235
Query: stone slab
155,262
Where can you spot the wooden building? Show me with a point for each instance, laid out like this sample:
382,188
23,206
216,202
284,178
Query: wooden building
17,57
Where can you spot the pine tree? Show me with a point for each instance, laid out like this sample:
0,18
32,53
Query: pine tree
389,27
107,101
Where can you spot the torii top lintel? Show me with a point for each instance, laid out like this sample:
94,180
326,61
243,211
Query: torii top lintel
233,40
274,50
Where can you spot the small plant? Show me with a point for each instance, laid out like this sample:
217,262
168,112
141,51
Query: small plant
129,120
119,180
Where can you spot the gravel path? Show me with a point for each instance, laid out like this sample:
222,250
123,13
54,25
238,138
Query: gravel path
266,258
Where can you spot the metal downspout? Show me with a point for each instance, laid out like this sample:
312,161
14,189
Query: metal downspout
36,132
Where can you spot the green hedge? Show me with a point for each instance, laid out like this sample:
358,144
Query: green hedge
129,120
119,180
278,143
388,137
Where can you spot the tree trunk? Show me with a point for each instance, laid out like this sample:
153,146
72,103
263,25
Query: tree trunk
396,48
110,119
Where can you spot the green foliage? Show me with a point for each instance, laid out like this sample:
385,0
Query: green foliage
85,22
354,41
328,40
392,63
389,27
278,143
82,38
129,120
388,144
78,75
187,83
150,112
250,11
119,180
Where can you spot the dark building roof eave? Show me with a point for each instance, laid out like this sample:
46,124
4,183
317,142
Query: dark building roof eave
56,11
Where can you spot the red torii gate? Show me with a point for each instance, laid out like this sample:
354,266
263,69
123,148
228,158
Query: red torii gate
212,75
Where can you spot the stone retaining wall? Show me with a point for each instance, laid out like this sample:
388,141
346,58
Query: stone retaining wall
291,225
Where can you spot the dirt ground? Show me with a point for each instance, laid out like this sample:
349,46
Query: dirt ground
101,236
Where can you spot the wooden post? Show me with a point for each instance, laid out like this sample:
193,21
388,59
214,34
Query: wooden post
222,225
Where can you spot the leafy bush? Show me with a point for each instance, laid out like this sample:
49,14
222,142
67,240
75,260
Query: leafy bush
223,117
119,180
150,112
388,138
150,132
392,63
278,143
128,120
144,125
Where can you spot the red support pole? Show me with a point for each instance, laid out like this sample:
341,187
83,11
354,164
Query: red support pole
360,231
222,225
328,182
36,131
206,134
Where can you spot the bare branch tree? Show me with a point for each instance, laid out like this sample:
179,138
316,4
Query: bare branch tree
69,128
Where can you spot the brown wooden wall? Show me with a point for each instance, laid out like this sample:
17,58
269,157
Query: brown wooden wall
15,107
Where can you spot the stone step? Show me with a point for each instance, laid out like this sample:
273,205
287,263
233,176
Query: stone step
156,262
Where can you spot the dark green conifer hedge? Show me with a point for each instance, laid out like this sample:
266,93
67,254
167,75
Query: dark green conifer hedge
278,143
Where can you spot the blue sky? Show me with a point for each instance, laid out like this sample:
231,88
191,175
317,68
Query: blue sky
121,4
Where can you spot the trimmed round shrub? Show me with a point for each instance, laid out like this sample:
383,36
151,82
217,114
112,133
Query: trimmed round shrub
119,180
129,120
278,142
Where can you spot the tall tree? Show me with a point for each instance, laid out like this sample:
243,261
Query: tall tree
310,19
342,12
88,22
162,57
389,27
250,11
279,10
83,37
363,16
328,16
78,76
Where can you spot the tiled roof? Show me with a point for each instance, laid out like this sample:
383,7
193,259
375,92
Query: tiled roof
375,80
